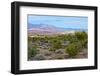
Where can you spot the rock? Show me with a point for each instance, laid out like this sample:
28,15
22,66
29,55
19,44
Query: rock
45,46
49,58
82,54
48,53
59,51
65,43
39,57
66,56
58,56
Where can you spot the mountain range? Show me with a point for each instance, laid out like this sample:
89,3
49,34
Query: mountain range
48,29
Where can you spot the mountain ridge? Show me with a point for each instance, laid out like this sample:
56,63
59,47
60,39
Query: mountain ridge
44,29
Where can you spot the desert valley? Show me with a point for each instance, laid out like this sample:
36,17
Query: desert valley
48,42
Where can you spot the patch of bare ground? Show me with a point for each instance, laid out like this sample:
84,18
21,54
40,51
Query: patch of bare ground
44,54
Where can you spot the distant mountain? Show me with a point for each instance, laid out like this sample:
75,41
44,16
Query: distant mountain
40,26
75,29
42,29
33,25
48,29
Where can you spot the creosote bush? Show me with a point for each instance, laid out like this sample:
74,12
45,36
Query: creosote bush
72,49
56,44
52,49
32,52
83,38
81,35
84,43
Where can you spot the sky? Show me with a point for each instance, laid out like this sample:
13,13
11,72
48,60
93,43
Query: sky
60,21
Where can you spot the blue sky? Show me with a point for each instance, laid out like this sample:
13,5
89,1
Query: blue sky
60,21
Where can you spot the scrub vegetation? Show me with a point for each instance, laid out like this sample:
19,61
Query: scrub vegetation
60,46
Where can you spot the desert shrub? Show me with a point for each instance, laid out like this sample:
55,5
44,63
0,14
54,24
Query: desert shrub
72,38
46,38
32,51
83,38
84,43
52,49
29,39
56,44
63,37
73,49
81,35
35,39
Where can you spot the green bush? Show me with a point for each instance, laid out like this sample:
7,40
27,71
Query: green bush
32,51
73,49
56,44
83,38
29,39
52,49
84,43
81,35
72,38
